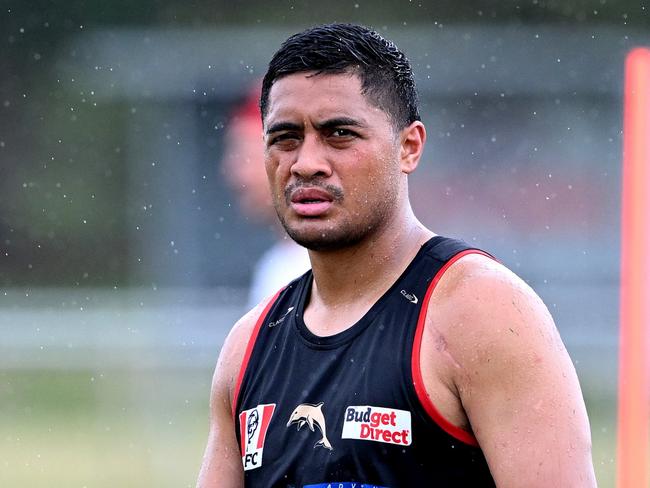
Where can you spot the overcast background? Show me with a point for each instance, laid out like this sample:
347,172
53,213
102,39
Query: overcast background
124,258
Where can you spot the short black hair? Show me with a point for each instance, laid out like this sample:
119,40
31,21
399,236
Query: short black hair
384,71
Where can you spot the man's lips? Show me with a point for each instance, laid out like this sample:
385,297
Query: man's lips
305,195
310,202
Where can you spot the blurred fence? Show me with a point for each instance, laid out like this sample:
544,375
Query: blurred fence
185,328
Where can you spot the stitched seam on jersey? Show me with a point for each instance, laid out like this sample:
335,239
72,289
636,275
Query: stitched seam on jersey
249,350
416,372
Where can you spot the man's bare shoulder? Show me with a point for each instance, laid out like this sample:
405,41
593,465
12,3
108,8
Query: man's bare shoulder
480,295
219,467
512,375
243,328
233,351
485,320
493,325
476,272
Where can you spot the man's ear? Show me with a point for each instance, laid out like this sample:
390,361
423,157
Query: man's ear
412,139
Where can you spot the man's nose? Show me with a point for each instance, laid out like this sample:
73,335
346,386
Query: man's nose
311,159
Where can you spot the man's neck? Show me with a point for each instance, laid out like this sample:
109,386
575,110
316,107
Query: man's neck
364,272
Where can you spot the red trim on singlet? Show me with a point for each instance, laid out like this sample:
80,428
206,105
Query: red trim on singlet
249,349
242,432
266,420
418,383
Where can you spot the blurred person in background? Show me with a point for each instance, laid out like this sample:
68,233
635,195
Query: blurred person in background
243,167
403,358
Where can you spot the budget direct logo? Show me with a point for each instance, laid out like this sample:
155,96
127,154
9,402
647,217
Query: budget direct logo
378,424
253,425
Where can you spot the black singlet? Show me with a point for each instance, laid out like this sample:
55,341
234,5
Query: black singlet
350,410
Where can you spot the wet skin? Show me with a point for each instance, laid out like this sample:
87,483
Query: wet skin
331,158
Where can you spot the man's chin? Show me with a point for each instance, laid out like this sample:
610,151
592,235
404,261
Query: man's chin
324,240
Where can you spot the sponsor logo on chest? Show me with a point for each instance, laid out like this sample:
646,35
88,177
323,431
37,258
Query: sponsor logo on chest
378,424
253,425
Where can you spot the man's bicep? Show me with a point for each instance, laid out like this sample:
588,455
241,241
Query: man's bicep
222,466
522,396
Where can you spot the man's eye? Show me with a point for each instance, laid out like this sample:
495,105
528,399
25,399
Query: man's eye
283,138
342,133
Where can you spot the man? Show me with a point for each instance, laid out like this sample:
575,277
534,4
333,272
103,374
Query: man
242,167
403,358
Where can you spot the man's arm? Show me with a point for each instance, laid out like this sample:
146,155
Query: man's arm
515,380
222,466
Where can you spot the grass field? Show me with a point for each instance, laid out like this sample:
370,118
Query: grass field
119,428
143,428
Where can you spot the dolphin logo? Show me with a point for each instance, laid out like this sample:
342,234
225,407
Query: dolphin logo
307,413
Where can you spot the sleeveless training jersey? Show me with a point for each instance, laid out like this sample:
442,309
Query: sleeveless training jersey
350,410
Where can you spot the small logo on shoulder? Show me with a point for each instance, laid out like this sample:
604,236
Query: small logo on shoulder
281,319
253,425
409,296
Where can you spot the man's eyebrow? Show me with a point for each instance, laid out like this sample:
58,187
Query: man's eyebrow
326,124
281,126
338,122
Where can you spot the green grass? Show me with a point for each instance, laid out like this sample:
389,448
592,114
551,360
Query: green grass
90,429
124,428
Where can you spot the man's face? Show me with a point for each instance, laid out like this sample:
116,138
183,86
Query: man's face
331,159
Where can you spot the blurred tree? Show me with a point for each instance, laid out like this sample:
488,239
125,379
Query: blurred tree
62,172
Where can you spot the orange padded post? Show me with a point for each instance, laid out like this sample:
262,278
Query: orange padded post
634,349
